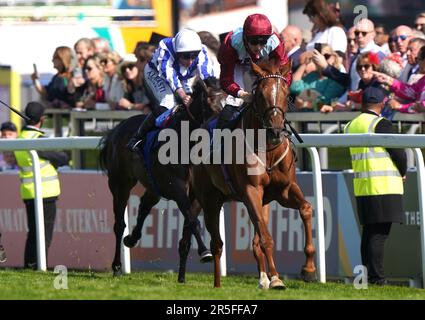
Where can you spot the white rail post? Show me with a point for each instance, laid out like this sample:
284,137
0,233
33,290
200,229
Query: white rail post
39,213
318,206
125,251
223,261
421,194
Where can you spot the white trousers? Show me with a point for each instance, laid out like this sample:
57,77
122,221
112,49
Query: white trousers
245,78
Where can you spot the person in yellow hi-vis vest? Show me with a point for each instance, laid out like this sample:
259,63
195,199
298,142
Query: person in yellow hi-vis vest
378,183
49,161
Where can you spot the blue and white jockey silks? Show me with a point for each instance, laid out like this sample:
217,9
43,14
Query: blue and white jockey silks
164,74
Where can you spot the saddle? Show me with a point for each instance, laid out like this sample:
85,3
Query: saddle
229,116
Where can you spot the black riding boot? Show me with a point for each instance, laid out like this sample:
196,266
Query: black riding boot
137,139
226,115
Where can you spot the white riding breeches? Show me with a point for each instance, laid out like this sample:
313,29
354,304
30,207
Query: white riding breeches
245,78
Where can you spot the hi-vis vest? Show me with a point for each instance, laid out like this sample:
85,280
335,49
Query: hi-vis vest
49,176
374,171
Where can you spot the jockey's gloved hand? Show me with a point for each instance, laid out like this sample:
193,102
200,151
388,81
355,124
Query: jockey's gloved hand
245,96
185,98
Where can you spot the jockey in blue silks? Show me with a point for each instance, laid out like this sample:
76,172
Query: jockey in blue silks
171,73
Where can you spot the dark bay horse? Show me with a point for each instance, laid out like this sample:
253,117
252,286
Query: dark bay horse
171,181
275,178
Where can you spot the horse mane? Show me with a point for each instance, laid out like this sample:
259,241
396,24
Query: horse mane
210,87
273,66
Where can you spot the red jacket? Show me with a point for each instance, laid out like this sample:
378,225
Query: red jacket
233,52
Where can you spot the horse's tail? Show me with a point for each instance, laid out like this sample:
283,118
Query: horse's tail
105,148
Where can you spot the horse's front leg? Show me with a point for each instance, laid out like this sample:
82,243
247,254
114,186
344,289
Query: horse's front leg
253,202
120,198
147,201
264,281
294,199
184,248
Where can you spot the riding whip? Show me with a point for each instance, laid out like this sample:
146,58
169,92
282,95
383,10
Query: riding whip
300,140
15,111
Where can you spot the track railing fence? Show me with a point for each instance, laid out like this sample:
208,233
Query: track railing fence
311,142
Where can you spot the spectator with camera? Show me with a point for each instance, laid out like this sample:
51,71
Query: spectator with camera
311,87
56,93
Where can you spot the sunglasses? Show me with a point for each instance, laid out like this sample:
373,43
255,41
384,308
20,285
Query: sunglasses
419,25
88,69
361,66
189,55
327,56
402,37
128,66
363,33
254,41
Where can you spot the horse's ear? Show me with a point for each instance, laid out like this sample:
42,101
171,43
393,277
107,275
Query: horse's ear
257,70
286,67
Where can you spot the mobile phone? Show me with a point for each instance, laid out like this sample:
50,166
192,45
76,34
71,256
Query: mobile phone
318,47
35,68
77,72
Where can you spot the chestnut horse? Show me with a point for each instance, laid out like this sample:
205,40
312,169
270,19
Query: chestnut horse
275,180
171,181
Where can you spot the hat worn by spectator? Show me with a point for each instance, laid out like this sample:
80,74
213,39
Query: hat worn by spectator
34,111
128,59
374,94
8,126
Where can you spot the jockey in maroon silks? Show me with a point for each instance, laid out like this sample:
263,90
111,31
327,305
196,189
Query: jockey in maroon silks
255,42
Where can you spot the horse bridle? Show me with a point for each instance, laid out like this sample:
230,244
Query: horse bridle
274,108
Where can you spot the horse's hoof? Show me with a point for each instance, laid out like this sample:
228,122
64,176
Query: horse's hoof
181,280
206,256
128,242
117,271
277,284
308,276
264,285
263,282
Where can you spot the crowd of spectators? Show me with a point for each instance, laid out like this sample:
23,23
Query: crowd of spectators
333,67
92,76
330,68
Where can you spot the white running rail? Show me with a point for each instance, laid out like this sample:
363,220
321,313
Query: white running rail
311,141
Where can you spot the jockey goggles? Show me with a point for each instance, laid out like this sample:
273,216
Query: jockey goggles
257,40
188,55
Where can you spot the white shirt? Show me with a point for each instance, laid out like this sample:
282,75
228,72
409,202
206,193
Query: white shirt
333,36
292,51
386,49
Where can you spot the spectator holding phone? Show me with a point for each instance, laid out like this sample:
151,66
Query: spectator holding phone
309,77
56,92
326,27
